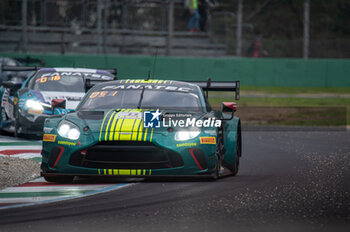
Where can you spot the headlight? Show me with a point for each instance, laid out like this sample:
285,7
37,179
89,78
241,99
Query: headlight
68,130
184,135
34,106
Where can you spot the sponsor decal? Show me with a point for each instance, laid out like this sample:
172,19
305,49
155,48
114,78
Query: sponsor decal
186,144
129,115
153,87
49,138
125,172
207,140
56,76
66,143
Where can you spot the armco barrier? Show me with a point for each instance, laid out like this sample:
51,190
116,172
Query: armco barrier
251,72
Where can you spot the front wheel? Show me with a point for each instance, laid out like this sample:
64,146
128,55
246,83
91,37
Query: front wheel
17,128
235,166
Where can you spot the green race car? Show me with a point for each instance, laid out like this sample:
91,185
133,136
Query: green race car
144,128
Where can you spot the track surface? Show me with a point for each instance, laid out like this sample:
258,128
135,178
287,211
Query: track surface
290,181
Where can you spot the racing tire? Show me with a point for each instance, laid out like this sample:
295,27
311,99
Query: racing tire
235,166
16,130
216,174
59,179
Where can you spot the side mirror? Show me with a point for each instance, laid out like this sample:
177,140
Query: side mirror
229,107
58,104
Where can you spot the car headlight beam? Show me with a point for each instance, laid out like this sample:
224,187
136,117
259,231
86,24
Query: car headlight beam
68,130
190,133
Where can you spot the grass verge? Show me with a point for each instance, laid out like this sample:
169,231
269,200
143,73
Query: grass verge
290,111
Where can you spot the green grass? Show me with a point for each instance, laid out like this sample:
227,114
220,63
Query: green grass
333,116
307,102
296,90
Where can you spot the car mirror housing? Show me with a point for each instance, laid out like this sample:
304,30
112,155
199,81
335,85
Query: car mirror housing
58,104
228,107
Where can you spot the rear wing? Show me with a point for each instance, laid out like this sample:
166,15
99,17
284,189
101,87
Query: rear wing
218,86
18,68
20,72
36,68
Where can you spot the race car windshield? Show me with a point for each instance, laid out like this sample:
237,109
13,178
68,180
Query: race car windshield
152,99
58,81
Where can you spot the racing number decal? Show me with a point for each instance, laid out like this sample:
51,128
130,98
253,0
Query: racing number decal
99,94
103,94
56,78
44,79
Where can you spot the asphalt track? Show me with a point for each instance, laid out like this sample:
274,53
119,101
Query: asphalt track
288,181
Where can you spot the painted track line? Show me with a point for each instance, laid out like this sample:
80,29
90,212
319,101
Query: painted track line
49,195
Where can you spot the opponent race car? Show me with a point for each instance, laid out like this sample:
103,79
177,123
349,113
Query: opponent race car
45,92
144,128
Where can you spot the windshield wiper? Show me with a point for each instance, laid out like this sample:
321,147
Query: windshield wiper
141,97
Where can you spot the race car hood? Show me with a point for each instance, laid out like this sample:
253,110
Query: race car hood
72,98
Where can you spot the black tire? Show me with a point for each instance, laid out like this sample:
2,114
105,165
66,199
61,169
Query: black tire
16,130
59,179
216,174
235,166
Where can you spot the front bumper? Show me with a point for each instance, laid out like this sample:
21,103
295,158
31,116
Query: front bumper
122,159
203,176
32,123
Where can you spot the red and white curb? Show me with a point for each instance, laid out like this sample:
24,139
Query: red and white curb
39,191
23,152
20,149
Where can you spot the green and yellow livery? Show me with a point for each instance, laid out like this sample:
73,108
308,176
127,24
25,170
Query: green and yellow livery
109,133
